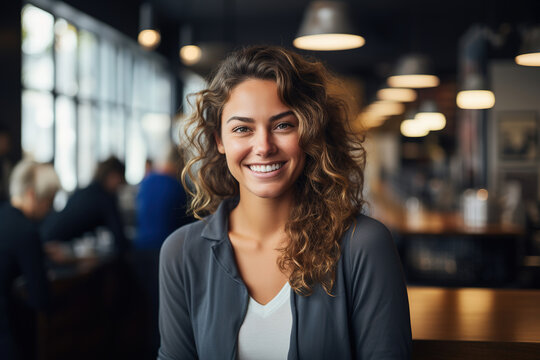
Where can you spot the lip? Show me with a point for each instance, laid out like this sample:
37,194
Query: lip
269,174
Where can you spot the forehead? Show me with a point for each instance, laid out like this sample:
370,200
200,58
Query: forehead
253,96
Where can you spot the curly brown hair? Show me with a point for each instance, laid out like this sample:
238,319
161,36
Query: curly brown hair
328,194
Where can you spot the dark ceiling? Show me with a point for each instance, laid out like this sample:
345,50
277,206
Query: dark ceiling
391,27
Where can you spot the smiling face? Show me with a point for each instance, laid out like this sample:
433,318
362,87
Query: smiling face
260,140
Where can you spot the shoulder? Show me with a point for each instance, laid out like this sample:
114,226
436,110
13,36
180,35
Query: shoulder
17,225
88,194
368,244
368,234
185,241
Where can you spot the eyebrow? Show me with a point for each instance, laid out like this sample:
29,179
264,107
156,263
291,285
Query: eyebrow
272,118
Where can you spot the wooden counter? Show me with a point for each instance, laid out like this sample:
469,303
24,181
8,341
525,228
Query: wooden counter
475,323
424,222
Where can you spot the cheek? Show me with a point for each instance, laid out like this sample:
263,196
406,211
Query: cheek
292,147
235,152
234,149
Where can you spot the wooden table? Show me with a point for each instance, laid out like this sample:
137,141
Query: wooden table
426,222
470,323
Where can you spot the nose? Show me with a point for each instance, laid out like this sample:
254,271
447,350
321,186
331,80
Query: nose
264,144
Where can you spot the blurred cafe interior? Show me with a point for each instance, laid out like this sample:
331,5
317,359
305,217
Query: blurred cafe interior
446,94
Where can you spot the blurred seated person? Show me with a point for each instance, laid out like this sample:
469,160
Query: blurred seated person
32,190
92,207
161,202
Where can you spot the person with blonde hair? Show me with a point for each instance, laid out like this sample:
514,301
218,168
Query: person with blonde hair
32,189
283,264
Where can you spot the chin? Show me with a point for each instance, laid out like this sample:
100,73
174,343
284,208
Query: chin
267,193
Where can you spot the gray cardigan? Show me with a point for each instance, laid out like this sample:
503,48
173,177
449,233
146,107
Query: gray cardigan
203,299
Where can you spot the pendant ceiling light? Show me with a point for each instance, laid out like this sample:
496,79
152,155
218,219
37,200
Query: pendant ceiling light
190,54
412,71
430,117
475,94
411,127
149,37
529,55
370,119
397,94
325,27
386,108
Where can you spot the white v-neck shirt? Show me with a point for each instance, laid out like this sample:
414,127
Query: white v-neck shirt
266,330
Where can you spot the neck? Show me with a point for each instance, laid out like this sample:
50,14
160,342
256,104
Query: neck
167,169
260,218
22,205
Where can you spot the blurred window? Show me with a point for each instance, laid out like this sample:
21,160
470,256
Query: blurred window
136,149
87,91
66,48
37,48
65,160
88,65
37,124
87,143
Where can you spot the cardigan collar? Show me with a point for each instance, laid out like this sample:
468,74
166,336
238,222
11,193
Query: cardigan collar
217,224
216,230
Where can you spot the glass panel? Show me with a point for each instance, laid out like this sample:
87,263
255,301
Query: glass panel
127,83
87,131
117,131
105,138
139,79
162,92
136,152
66,57
192,84
65,149
88,65
156,129
37,125
37,45
107,62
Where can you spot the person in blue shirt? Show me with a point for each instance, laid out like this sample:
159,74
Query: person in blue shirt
161,202
282,264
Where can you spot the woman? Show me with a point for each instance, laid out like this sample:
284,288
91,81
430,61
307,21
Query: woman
285,266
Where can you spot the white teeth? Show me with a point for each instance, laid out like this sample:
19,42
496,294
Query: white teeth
265,168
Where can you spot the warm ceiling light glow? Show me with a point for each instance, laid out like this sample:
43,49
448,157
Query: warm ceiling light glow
149,38
433,121
190,54
397,94
369,119
531,59
413,128
386,108
328,42
475,99
413,81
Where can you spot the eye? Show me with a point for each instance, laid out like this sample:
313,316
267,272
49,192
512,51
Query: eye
284,126
240,129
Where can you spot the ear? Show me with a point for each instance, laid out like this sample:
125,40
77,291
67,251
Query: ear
219,143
